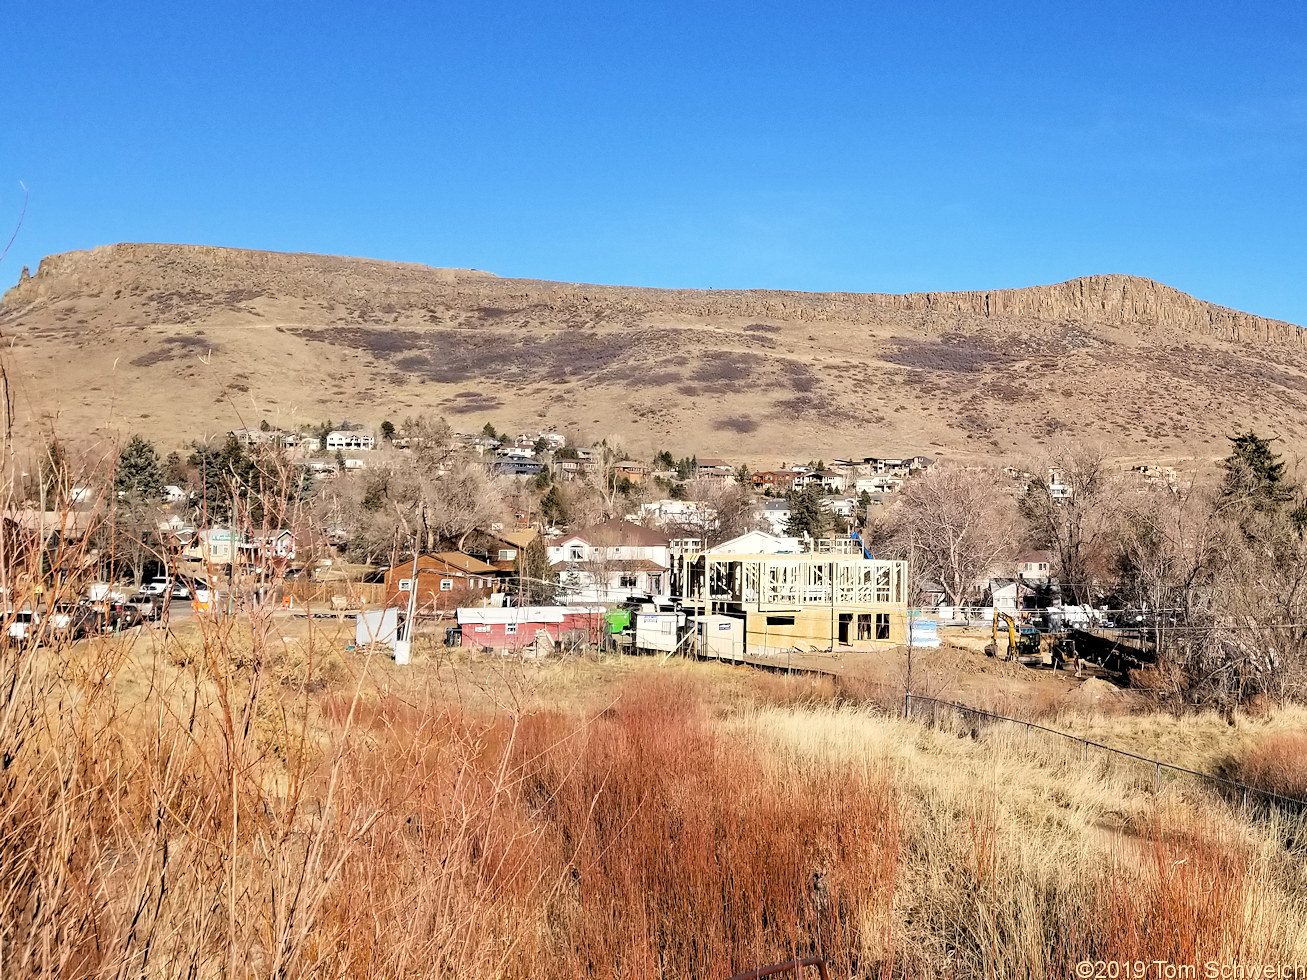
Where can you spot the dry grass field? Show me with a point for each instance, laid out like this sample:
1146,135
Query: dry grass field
177,341
251,799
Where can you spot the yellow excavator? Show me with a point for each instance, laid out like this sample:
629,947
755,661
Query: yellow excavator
1022,641
1028,645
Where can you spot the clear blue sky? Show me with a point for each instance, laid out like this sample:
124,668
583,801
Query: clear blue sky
818,145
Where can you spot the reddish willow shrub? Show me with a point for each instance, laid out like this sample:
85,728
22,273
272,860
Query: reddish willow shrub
692,857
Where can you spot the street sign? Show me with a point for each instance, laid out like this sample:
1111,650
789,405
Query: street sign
406,585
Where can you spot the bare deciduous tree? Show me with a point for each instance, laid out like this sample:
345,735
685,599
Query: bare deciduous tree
1071,506
956,526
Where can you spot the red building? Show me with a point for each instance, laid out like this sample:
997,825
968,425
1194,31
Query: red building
779,480
513,627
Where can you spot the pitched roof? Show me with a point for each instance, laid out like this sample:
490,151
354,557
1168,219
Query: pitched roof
466,563
611,533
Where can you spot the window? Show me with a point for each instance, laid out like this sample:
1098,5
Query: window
882,626
446,585
507,554
577,553
626,581
864,626
510,628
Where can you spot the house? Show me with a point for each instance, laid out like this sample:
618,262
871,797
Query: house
775,514
515,627
1035,566
712,468
758,543
828,480
1012,595
354,464
883,483
611,561
174,494
214,546
773,481
347,440
274,544
500,549
445,580
636,472
694,513
572,467
514,452
829,601
844,507
516,466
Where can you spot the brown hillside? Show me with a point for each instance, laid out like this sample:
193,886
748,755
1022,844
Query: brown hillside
177,340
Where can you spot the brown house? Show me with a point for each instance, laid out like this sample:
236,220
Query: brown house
776,480
445,580
500,549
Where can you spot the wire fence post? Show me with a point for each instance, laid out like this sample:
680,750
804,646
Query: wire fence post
907,698
1158,788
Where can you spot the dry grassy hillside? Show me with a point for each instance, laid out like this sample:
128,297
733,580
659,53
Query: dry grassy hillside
175,340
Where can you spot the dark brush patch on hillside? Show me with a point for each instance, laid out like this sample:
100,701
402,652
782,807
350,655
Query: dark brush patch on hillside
450,356
739,424
951,353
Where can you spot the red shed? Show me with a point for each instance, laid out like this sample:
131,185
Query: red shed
511,627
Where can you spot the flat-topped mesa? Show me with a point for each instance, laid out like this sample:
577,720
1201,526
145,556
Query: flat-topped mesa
200,273
72,274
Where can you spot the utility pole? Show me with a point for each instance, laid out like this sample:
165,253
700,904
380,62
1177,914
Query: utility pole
404,645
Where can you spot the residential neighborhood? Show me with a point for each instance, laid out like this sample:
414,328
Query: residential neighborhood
434,523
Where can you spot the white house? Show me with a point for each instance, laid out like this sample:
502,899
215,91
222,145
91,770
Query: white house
775,513
611,561
840,506
349,440
669,511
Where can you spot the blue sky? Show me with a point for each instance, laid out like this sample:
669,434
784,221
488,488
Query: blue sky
853,146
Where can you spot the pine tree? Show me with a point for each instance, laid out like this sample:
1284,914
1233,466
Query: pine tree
807,516
139,472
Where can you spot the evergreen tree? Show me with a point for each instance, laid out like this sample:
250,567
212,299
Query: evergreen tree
1255,479
174,469
388,430
138,472
807,516
534,574
54,471
553,506
1255,472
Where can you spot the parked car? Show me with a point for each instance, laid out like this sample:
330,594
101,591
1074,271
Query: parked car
71,622
149,606
157,586
124,615
23,625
